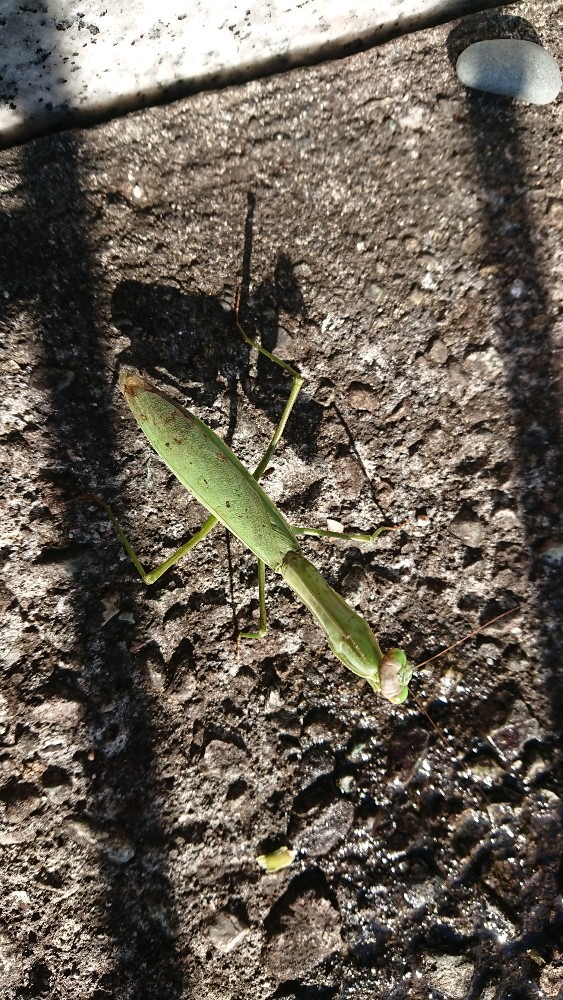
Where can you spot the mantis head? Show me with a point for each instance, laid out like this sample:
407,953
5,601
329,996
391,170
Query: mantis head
395,673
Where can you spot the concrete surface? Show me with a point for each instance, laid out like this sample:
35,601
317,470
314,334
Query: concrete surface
399,240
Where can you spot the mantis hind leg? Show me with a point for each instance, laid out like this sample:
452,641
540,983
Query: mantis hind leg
154,574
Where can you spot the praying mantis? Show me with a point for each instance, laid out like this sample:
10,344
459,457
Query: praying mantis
211,472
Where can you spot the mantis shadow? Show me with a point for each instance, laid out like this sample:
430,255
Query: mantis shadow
195,337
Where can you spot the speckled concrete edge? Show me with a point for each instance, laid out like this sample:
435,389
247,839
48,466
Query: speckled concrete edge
79,69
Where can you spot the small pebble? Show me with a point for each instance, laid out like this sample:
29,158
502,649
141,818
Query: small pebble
227,931
374,291
511,67
552,551
438,351
468,528
364,397
516,731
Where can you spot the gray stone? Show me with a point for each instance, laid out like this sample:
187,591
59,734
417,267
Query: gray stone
450,974
511,67
328,828
309,931
516,731
227,931
468,528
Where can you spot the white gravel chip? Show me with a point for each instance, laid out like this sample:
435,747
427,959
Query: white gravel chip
511,67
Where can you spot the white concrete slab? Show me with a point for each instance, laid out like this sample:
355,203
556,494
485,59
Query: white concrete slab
64,62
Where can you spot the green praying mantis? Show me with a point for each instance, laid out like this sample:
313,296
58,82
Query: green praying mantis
211,472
